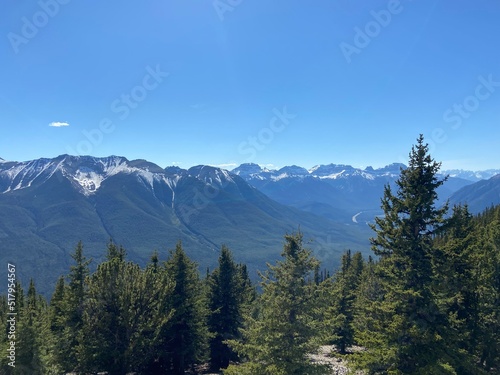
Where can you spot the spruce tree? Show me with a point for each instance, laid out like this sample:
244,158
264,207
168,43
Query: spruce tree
30,335
185,340
456,287
72,305
226,300
342,292
488,276
279,339
407,330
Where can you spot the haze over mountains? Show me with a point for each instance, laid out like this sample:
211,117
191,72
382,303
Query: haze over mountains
342,192
48,205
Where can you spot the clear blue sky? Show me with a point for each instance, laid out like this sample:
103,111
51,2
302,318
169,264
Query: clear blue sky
192,82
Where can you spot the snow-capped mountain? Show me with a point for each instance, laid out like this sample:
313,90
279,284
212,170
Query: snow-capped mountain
86,173
336,191
472,175
48,205
251,171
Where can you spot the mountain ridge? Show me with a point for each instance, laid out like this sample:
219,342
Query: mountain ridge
48,205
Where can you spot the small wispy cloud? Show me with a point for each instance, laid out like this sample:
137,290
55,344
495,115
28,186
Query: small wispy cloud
59,124
225,165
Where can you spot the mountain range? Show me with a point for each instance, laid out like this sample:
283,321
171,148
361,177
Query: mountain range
341,192
48,205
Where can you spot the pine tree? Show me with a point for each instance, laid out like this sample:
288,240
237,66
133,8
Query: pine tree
407,328
279,339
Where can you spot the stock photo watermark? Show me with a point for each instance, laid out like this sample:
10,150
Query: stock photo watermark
253,144
223,6
122,107
462,110
363,36
201,200
30,26
11,315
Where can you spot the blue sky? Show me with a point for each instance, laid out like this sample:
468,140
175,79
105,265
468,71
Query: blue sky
224,82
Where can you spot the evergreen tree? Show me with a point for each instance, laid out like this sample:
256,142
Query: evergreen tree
342,292
456,287
29,334
406,329
57,343
102,337
123,316
488,280
70,309
226,299
186,338
279,340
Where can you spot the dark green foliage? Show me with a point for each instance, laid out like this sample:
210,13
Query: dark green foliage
406,328
429,304
488,291
30,336
456,287
47,219
279,339
341,297
229,293
185,340
73,305
124,315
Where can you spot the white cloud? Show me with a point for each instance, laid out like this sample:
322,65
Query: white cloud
58,124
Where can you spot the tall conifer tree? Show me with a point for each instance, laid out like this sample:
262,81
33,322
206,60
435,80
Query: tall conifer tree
279,339
407,329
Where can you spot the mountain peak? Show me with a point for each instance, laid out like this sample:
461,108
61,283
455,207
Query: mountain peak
247,169
294,170
211,175
392,168
330,169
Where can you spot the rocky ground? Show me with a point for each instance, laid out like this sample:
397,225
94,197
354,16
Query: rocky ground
337,364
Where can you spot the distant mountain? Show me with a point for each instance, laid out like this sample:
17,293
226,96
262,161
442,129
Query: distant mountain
472,175
479,195
48,205
336,191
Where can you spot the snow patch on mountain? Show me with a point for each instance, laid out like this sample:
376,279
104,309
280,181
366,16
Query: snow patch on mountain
472,175
251,171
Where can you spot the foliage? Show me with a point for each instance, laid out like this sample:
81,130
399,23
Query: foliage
284,333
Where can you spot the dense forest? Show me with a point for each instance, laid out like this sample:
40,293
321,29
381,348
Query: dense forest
427,302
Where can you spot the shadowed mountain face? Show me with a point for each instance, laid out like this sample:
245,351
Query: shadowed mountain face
48,205
479,195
